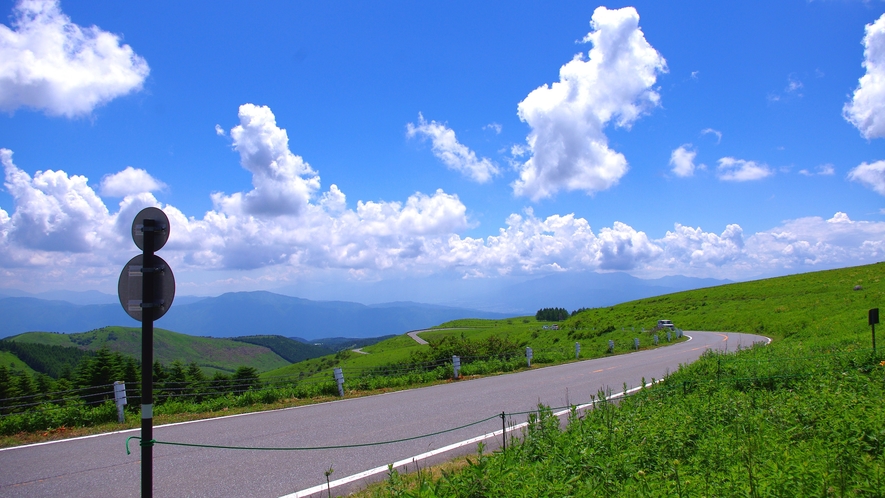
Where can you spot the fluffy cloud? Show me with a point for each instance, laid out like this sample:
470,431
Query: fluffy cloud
452,153
866,110
692,247
623,248
682,160
283,182
61,233
739,170
569,149
870,175
529,244
51,64
814,242
130,181
54,212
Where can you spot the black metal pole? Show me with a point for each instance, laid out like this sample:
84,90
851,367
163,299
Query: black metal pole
504,429
147,361
874,338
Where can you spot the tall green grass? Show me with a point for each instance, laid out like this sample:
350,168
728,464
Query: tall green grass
801,417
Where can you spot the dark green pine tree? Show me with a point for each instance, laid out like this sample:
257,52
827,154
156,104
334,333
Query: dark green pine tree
159,377
245,378
220,383
7,388
25,386
130,371
196,379
97,374
176,379
45,385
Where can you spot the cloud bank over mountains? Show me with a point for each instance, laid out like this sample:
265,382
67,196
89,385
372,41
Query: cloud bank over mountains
61,229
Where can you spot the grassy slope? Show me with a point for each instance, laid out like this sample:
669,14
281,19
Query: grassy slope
9,360
289,349
822,306
210,353
395,349
812,428
526,330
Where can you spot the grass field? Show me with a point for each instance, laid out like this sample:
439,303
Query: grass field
800,417
210,353
525,331
11,361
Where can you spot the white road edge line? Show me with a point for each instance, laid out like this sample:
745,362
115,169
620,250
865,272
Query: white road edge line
377,470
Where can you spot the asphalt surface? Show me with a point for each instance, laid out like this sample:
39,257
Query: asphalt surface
99,466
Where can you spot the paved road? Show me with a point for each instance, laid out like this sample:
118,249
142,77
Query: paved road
99,466
414,335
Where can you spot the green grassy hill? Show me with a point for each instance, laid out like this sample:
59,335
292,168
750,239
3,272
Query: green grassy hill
521,331
802,416
12,362
289,349
822,306
210,353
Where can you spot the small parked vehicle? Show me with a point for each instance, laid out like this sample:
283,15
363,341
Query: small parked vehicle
665,324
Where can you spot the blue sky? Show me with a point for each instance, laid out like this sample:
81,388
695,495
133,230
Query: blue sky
327,145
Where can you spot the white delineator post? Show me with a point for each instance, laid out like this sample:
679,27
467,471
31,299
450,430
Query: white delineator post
120,399
339,378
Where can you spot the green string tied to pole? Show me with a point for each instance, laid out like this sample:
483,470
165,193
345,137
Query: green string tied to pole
141,443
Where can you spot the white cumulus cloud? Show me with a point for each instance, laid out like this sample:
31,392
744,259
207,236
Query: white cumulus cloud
130,181
569,149
682,160
739,170
283,182
452,153
54,212
61,234
814,242
870,175
866,110
51,64
692,247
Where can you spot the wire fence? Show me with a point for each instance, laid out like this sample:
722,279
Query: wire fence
744,371
390,375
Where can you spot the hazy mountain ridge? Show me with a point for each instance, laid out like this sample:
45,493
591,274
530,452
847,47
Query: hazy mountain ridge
513,295
236,314
267,313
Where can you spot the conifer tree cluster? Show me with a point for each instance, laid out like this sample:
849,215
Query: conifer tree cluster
551,314
90,378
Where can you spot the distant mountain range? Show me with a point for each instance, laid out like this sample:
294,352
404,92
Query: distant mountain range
511,295
236,314
258,313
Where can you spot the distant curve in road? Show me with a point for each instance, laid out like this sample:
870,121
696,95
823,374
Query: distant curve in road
99,466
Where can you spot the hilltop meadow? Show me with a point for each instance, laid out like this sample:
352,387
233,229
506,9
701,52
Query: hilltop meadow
801,416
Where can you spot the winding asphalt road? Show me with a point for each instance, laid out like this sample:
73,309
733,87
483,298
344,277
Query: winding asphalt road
99,466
